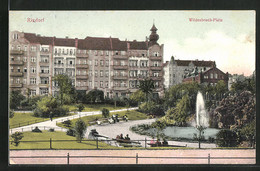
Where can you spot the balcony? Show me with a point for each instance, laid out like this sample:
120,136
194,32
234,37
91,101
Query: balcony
16,52
120,77
58,65
158,68
123,57
155,58
81,77
44,51
156,78
16,74
81,55
70,65
16,85
120,88
44,74
82,88
121,67
82,66
16,63
43,63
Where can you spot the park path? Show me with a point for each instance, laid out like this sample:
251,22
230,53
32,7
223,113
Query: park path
52,124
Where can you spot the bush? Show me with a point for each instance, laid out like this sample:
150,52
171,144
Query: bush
17,136
80,107
51,130
105,112
71,132
11,114
80,129
67,123
36,129
226,138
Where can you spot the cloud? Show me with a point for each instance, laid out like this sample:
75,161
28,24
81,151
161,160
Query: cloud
232,54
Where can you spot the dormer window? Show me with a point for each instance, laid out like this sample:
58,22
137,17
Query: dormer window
15,36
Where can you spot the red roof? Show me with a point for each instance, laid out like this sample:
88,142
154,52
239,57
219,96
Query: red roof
135,45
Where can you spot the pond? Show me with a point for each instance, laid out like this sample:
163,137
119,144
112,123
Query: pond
184,132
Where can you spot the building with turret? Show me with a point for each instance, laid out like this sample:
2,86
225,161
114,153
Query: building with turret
108,64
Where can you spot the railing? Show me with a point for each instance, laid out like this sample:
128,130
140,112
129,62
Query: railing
155,58
16,85
120,67
119,77
16,52
82,66
156,68
28,123
82,77
16,74
82,55
61,65
208,159
120,57
16,62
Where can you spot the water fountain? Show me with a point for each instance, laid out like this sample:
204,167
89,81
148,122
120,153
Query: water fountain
202,119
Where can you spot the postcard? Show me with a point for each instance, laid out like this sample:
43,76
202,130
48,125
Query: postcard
132,87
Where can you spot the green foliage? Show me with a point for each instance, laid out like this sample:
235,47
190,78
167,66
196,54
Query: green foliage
71,132
67,123
80,107
95,96
226,138
181,111
36,129
11,114
138,96
147,86
105,112
249,132
247,85
51,130
81,96
65,87
151,108
16,98
80,129
48,107
16,137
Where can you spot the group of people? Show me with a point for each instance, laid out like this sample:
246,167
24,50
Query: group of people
158,142
115,118
122,137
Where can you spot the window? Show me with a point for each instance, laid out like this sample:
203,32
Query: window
216,76
102,53
25,48
19,48
44,80
25,69
90,62
90,83
96,83
101,73
33,92
122,63
12,69
106,83
107,73
156,63
156,74
156,54
101,62
33,48
18,80
12,48
44,91
96,62
45,69
96,73
101,83
107,63
122,52
33,69
96,52
12,58
44,59
25,59
15,36
211,75
71,52
107,53
116,53
18,69
206,77
90,72
32,80
144,63
33,59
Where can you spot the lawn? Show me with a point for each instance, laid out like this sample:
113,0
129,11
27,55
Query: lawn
132,115
57,135
94,107
23,119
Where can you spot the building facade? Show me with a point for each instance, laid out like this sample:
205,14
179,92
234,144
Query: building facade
235,78
210,77
175,70
107,64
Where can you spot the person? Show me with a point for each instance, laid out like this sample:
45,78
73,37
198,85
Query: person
158,143
51,116
121,136
152,141
117,118
114,118
127,137
117,137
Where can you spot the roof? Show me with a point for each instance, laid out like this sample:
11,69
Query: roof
195,62
89,43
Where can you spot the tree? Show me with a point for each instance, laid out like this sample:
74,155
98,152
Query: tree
17,136
80,129
65,85
81,96
80,107
48,107
181,111
226,138
147,87
16,98
138,96
95,96
105,112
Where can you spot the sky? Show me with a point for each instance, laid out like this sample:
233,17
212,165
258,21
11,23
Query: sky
227,37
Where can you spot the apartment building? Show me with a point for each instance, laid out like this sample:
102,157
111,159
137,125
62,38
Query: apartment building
107,64
175,70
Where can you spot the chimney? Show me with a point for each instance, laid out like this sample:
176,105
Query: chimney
67,37
76,42
128,46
